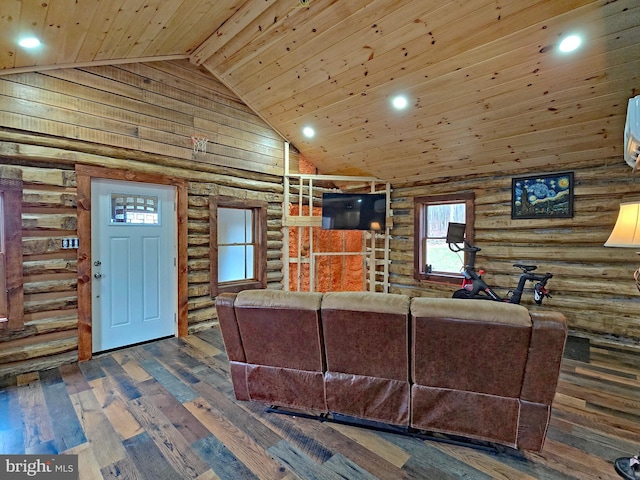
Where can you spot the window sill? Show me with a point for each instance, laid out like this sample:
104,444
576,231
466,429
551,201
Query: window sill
239,286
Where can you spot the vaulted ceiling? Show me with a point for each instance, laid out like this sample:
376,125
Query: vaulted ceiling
488,90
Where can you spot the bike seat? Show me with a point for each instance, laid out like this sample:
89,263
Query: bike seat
525,268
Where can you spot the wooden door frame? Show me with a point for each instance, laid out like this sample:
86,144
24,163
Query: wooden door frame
85,174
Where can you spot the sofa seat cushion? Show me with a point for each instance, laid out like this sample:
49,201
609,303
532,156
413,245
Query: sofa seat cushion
286,387
281,329
484,417
465,345
369,398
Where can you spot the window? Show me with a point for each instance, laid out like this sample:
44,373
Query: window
134,208
11,291
238,242
432,258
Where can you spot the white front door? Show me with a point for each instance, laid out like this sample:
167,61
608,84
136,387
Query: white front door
134,263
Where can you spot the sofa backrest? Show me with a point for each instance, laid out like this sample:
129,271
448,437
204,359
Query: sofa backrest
471,345
281,329
367,333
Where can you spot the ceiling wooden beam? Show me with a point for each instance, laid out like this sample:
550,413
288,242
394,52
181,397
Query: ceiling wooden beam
118,61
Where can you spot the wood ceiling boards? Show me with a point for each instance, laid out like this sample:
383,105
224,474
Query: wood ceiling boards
488,90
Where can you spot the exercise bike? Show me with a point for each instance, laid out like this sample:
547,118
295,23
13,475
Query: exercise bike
474,287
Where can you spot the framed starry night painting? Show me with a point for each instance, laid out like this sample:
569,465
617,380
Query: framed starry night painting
542,196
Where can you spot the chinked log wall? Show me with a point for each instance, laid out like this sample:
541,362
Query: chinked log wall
137,118
592,285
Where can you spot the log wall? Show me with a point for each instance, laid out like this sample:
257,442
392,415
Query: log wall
140,117
592,285
136,118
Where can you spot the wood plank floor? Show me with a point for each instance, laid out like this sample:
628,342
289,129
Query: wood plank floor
166,410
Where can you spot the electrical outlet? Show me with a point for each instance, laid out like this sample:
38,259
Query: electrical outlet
70,243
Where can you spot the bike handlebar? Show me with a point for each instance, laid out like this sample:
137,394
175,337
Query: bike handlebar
465,247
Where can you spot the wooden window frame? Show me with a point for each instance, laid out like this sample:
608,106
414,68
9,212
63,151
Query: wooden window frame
420,203
11,281
260,235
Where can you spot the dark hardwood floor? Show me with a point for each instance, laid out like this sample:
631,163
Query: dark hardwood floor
166,410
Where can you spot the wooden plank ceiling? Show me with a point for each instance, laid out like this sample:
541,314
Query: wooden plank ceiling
488,90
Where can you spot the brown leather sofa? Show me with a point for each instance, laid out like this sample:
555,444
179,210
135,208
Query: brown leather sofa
479,369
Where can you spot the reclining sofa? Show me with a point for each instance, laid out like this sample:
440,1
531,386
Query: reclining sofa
478,369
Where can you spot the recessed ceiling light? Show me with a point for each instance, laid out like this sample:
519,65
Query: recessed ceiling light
400,102
308,132
570,43
29,42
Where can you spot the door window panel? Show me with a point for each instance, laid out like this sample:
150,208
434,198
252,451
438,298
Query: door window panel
127,208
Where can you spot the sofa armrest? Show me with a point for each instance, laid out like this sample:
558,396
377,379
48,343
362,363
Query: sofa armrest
229,326
548,337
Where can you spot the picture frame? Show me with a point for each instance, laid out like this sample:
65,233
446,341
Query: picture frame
542,196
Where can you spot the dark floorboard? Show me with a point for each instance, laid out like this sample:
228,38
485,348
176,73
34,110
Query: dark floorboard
166,410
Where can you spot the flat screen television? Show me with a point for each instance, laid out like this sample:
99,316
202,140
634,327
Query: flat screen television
354,211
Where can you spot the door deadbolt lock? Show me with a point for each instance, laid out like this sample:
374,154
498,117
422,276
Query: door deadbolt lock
97,263
97,275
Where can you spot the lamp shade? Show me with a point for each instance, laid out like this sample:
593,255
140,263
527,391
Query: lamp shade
626,232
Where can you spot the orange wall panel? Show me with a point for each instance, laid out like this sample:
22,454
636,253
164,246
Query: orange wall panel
334,273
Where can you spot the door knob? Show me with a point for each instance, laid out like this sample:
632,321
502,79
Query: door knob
97,275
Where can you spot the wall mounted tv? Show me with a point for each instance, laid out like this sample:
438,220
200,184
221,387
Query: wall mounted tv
354,211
